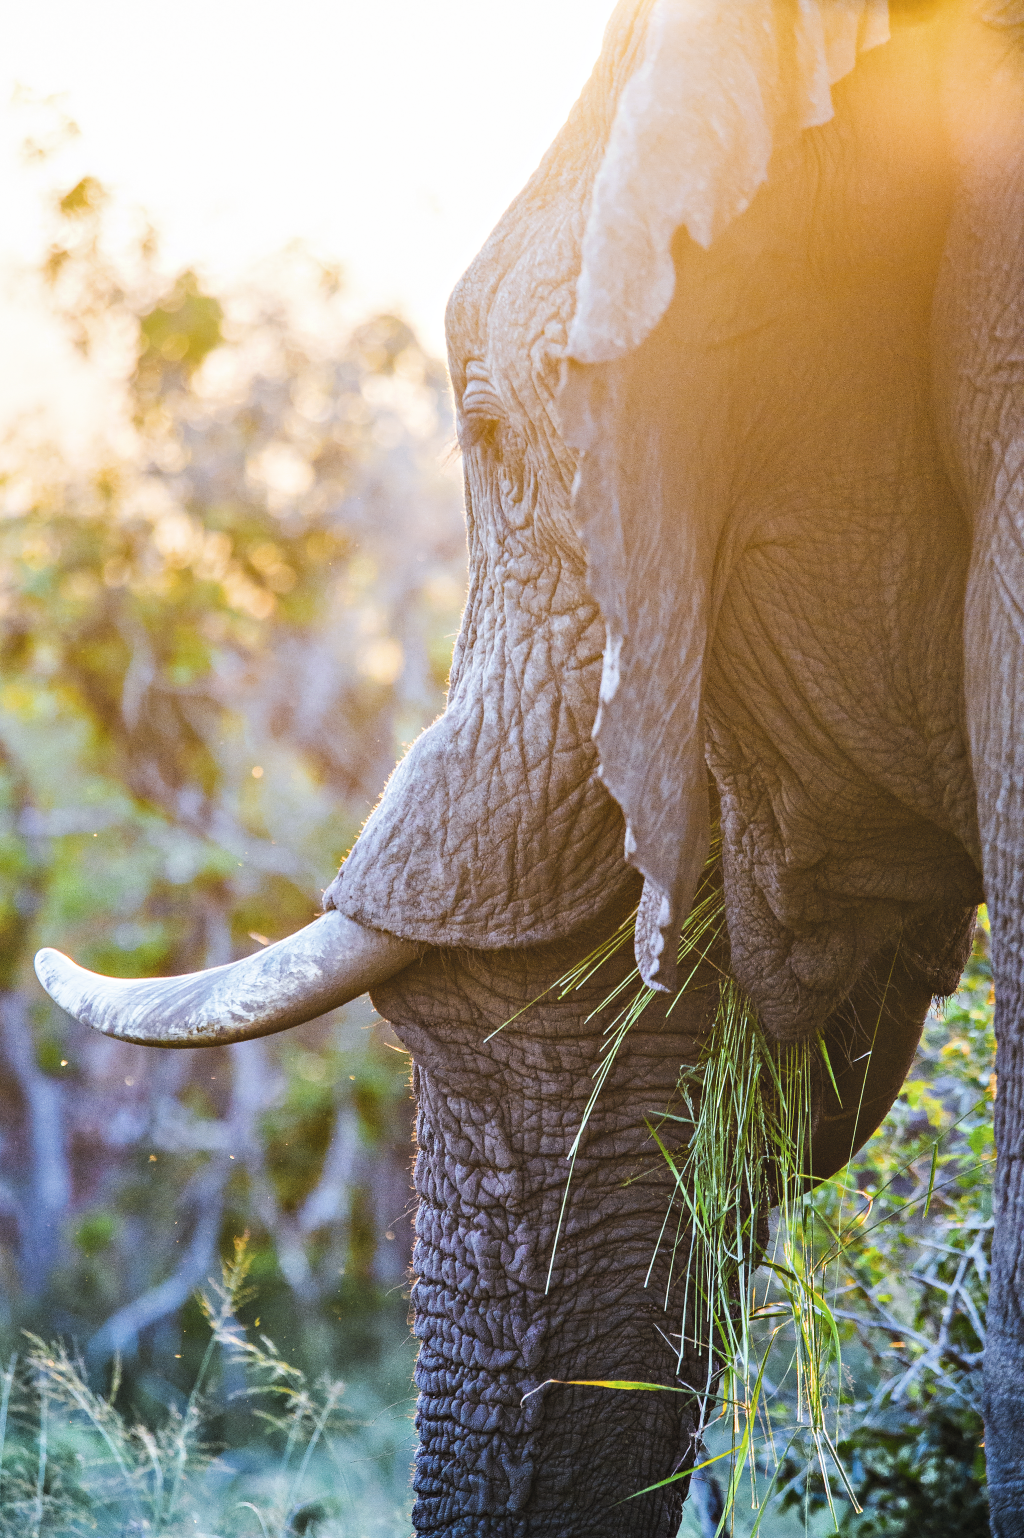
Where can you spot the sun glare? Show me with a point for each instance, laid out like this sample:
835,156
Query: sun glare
387,137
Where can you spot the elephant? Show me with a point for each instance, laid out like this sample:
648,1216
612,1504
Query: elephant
741,408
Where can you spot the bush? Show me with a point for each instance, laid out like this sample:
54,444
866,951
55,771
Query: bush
218,628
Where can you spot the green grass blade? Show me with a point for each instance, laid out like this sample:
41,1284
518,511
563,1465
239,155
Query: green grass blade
5,1403
931,1177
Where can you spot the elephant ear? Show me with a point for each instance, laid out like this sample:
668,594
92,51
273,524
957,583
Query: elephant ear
718,90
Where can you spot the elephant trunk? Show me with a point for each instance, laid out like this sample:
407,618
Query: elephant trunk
504,1451
979,362
321,967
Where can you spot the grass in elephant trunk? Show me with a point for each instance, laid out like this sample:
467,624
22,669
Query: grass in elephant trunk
749,1110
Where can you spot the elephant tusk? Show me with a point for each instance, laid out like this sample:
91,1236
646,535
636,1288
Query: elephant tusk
319,968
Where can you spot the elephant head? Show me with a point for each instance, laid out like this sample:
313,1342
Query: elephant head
738,381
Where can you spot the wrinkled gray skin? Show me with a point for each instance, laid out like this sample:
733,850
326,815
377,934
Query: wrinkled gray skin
816,459
495,1120
833,400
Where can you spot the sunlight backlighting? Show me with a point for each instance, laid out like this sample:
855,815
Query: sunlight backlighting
389,137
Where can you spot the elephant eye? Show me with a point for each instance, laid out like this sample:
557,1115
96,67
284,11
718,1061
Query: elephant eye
482,413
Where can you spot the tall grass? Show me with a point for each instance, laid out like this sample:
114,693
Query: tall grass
72,1462
750,1108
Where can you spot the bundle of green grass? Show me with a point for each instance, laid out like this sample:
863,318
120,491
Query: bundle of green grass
747,1107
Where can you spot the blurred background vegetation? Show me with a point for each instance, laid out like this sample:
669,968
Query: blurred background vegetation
217,633
216,636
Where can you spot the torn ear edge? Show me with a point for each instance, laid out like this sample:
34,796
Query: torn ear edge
650,560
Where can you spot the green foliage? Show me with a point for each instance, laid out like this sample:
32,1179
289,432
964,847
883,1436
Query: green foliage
218,628
74,1461
95,1231
182,329
917,1474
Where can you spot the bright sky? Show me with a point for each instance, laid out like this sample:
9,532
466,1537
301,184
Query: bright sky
387,134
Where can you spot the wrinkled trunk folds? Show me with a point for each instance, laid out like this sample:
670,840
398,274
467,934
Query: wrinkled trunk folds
496,1120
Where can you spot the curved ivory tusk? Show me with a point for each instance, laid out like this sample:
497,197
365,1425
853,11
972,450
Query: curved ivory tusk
321,967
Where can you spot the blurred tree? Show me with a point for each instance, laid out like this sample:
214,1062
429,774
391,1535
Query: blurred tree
214,641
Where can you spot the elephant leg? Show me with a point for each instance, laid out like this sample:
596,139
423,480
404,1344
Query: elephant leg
979,358
496,1316
995,684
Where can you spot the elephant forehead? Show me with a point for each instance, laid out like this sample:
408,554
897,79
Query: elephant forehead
512,309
